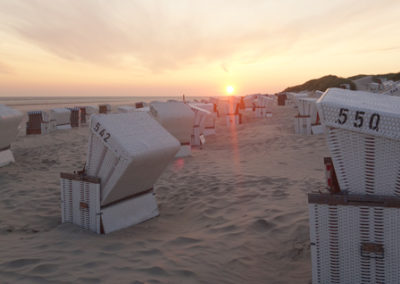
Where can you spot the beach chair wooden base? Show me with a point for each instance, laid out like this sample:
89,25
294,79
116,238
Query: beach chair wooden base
184,151
354,238
317,129
302,125
6,157
80,205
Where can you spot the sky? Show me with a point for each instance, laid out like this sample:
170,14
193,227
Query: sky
191,47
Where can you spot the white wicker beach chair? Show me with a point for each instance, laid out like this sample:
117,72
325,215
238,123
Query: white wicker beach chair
105,108
74,116
363,133
126,155
229,107
178,119
92,110
263,104
10,120
200,117
209,123
307,107
39,123
62,117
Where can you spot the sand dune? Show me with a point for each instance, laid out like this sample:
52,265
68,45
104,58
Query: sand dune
234,212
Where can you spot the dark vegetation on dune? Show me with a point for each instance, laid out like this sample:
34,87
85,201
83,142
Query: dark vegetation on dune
321,84
332,81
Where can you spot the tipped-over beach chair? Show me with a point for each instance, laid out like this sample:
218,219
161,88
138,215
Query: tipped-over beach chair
62,117
10,120
178,119
126,155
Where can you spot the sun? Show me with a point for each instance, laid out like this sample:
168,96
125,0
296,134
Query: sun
230,90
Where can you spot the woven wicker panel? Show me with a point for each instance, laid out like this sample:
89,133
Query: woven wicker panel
339,237
364,163
308,107
80,204
302,125
200,117
128,152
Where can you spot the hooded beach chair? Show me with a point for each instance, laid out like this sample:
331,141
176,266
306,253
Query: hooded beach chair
307,121
126,155
61,117
209,123
200,117
354,233
39,123
178,119
74,117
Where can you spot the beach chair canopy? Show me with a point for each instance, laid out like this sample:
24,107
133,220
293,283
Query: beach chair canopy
176,117
60,115
359,111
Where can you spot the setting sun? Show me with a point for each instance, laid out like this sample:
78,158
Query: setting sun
230,90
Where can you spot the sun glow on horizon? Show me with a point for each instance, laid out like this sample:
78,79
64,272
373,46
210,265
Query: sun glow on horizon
230,90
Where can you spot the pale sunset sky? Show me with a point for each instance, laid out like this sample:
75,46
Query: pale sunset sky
195,47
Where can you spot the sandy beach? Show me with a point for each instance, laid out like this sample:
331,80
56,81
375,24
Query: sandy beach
234,212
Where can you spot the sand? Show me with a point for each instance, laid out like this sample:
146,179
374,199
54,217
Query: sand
234,212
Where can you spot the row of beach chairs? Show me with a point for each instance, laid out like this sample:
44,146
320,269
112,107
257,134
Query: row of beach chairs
128,151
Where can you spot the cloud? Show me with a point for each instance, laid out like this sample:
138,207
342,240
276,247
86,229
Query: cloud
159,35
5,68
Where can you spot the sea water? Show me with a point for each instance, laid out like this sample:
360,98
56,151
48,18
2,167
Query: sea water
25,104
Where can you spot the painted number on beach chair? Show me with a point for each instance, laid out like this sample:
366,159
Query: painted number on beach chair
102,132
359,119
374,121
342,116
